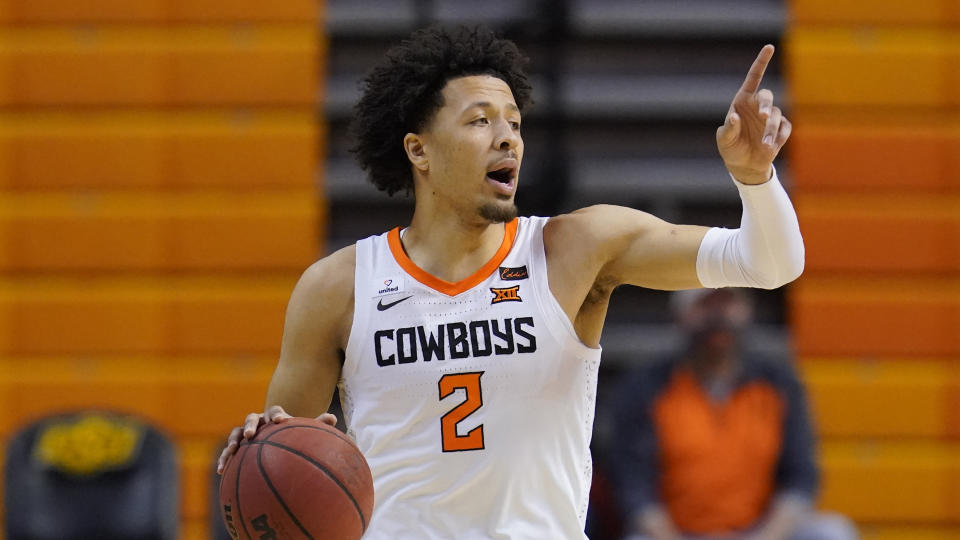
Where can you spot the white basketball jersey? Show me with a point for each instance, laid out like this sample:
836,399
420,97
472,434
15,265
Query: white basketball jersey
472,401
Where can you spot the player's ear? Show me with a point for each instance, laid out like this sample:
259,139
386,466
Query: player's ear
416,153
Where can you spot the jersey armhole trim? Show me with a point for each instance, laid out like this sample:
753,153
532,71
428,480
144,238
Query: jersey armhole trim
359,307
563,327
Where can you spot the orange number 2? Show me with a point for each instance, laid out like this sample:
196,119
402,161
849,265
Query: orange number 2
473,440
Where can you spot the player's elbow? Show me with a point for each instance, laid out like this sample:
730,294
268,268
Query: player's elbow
794,262
787,267
795,267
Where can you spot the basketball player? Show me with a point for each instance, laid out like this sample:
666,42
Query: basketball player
466,345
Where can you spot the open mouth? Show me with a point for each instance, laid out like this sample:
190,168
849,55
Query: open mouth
504,175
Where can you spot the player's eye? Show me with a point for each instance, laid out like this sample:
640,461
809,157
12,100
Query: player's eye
515,125
481,121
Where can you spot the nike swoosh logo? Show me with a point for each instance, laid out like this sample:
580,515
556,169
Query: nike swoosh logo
383,307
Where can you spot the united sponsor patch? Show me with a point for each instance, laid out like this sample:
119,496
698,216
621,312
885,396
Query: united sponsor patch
513,274
506,294
388,285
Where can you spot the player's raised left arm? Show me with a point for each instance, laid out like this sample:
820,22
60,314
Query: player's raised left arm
766,251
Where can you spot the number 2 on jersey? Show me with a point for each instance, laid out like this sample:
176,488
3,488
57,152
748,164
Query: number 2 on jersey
470,382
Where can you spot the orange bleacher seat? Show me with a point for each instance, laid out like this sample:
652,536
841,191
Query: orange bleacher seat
197,529
887,12
49,11
196,460
176,65
89,315
884,398
854,67
247,10
881,316
159,149
158,231
908,482
185,395
872,234
72,11
838,150
197,488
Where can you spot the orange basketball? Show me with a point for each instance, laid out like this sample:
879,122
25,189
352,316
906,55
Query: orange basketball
297,479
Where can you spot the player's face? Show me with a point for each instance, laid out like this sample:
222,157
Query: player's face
474,148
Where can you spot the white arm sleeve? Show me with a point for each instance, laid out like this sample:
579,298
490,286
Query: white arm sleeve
765,252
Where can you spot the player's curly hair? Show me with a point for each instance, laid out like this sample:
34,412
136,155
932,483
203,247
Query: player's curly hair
403,92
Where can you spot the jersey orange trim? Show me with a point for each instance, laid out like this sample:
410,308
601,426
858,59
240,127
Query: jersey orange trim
448,287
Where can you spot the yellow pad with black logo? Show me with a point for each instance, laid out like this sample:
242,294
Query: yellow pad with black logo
89,444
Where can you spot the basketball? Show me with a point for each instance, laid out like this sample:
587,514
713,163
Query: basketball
297,479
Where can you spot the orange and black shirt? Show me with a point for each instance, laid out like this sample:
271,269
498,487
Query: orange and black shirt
714,464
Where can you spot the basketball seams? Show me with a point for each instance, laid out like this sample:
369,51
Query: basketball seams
325,470
359,483
243,523
337,433
332,431
276,494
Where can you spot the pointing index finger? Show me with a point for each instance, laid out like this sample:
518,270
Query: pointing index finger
755,75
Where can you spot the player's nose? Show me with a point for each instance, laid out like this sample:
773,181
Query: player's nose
507,138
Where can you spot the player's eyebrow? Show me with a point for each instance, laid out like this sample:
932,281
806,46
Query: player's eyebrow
487,105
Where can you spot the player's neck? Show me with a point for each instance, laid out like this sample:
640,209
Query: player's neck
449,247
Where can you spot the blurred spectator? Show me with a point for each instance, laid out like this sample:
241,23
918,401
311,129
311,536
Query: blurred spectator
716,443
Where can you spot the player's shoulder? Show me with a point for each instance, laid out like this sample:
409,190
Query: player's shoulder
597,219
595,225
331,277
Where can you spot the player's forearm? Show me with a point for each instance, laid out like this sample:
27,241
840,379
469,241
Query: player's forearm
303,389
766,251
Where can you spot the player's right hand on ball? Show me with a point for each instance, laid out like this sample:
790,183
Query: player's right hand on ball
273,415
